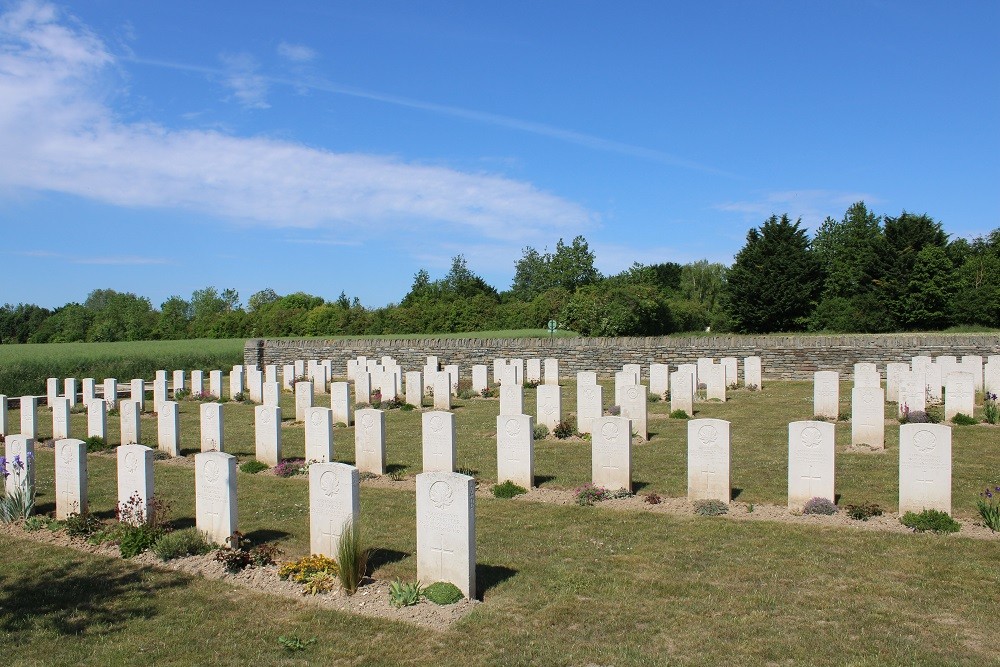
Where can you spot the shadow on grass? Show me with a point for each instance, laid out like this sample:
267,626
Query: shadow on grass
395,468
638,486
79,596
44,508
489,576
380,557
735,493
265,535
543,479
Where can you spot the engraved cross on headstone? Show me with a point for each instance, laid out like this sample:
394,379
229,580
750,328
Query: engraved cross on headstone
333,532
811,477
441,551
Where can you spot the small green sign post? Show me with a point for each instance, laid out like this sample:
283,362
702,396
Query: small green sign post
552,328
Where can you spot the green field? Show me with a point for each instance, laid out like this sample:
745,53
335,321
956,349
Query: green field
562,585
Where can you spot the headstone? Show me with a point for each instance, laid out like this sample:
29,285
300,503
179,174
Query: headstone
334,504
633,407
237,384
414,388
589,406
303,399
178,383
438,441
4,429
215,383
659,376
128,416
271,373
60,418
29,416
198,382
682,392
924,467
159,390
753,373
453,378
320,379
212,428
135,479
623,379
692,369
948,364
340,403
732,372
288,377
271,393
168,431
442,391
300,368
508,375
512,399
959,395
51,391
868,417
319,435
362,387
810,462
215,496
20,447
920,362
586,377
865,377
611,453
369,441
991,377
518,365
255,386
71,477
138,393
267,434
552,371
97,419
480,378
716,383
432,361
549,405
89,391
894,373
911,393
934,382
973,364
826,394
446,530
498,369
70,391
516,450
111,393
708,460
704,364
533,372
352,368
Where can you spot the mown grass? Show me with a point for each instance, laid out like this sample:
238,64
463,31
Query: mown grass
24,368
504,333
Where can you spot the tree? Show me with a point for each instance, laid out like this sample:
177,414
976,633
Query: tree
977,283
260,299
773,284
570,267
174,319
927,300
906,236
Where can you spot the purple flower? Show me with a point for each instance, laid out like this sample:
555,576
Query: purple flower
988,494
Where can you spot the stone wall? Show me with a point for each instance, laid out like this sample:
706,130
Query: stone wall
784,357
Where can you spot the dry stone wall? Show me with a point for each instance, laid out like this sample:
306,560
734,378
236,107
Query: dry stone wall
784,357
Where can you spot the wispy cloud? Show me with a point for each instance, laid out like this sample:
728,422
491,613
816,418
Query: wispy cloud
813,206
241,77
56,134
120,261
297,53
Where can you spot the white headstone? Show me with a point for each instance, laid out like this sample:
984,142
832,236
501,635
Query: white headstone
270,393
135,479
516,450
518,365
453,378
924,468
97,419
692,369
288,377
512,399
633,404
533,371
271,373
894,373
480,378
300,368
991,377
753,372
89,391
303,399
198,382
911,393
732,372
611,453
215,383
267,434
549,405
215,495
340,403
178,382
973,364
704,364
4,429
589,406
319,434
111,393
320,379
334,504
552,371
60,418
414,388
659,377
499,365
810,462
129,418
446,530
212,428
442,391
708,460
70,391
51,391
20,448
947,363
362,387
369,441
438,441
826,394
71,477
868,417
918,362
934,381
586,377
160,389
716,382
622,379
138,393
29,416
168,432
682,392
959,394
237,384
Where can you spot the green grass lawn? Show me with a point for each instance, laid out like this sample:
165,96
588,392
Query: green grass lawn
562,585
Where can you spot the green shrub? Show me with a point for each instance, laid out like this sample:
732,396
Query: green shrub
404,594
621,493
823,506
991,410
443,592
710,508
679,414
588,494
133,540
508,490
654,398
181,543
988,505
564,429
864,511
95,443
541,431
933,520
82,525
962,419
253,466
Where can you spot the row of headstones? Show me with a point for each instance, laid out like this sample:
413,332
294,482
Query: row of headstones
445,505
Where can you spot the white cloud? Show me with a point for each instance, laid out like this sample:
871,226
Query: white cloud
129,260
813,206
297,53
249,88
58,134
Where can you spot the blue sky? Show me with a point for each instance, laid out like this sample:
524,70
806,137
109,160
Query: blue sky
162,147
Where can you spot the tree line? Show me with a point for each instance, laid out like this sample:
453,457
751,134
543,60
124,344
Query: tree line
863,273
